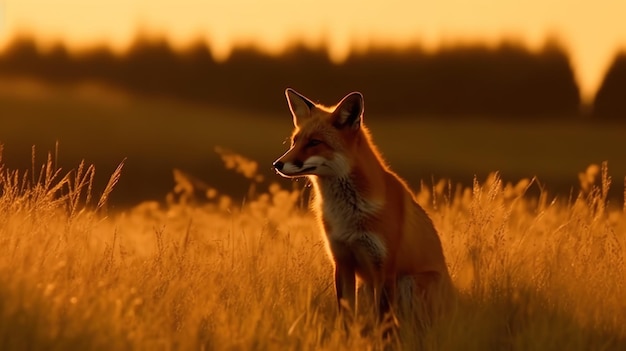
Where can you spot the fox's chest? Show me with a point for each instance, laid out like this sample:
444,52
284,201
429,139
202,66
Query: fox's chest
345,211
347,218
343,221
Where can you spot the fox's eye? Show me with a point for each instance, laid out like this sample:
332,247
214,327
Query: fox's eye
313,142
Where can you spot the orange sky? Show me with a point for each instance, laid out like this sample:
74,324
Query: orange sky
592,31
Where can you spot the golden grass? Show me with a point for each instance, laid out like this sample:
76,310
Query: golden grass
203,274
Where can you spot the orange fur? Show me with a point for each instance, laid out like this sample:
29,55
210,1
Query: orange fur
374,227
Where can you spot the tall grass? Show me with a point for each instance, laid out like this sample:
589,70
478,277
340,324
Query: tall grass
201,273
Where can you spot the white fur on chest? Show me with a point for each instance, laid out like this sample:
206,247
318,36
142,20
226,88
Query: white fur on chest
347,212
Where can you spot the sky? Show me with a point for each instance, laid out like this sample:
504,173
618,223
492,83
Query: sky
591,31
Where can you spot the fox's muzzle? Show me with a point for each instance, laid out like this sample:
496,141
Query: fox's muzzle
278,166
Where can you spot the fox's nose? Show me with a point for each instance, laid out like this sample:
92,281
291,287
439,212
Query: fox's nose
278,165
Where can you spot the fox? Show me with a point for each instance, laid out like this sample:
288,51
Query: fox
374,229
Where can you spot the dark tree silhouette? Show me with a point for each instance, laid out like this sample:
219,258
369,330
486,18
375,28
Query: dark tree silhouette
504,82
610,101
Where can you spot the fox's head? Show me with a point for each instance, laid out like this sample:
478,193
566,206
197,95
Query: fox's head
322,138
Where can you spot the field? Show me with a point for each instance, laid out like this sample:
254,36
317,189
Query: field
534,274
198,269
104,127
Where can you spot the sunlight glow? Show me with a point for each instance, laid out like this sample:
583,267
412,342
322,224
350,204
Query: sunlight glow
591,31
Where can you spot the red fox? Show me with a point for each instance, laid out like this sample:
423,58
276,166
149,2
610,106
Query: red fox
374,228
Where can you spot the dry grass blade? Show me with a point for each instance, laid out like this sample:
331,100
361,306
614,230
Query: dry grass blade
83,179
115,177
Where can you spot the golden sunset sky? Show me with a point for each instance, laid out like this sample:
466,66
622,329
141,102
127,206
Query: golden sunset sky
592,31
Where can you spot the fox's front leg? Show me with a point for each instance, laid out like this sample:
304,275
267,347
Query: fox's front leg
387,299
345,287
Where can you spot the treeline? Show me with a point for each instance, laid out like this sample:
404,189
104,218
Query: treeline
506,81
610,101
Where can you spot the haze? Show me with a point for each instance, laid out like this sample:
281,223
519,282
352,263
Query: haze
593,32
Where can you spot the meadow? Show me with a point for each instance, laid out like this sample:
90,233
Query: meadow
194,267
534,273
156,135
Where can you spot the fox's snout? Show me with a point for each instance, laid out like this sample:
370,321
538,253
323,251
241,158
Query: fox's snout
291,168
278,165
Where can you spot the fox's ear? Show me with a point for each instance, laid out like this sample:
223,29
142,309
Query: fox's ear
299,105
349,111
